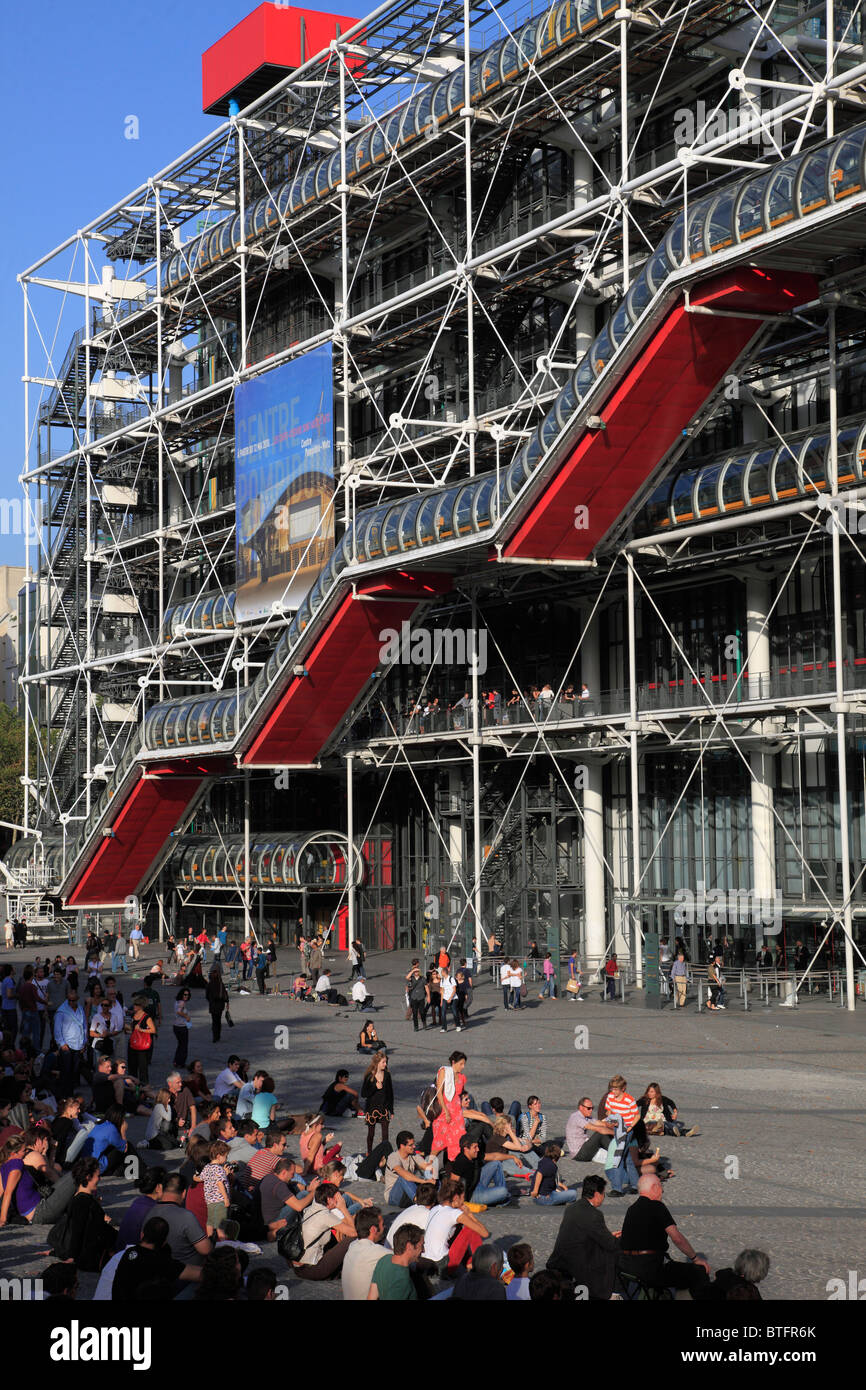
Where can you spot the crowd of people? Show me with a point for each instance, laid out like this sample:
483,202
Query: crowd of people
225,1170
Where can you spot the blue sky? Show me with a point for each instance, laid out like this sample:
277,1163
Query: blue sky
71,74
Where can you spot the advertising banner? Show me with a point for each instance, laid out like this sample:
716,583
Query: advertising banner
284,482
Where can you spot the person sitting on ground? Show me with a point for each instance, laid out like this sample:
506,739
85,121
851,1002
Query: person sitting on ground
392,1281
484,1183
150,1188
522,1263
280,1196
533,1126
584,1136
547,1189
339,1097
363,1254
453,1233
107,1142
369,1039
324,990
483,1282
646,1230
148,1258
196,1081
326,1234
317,1148
585,1250
418,1214
750,1268
228,1083
84,1234
362,999
405,1169
659,1114
301,988
516,1155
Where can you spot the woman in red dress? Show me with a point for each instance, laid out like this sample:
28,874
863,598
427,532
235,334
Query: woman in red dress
450,1123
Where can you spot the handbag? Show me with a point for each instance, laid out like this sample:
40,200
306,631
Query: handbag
139,1040
229,1020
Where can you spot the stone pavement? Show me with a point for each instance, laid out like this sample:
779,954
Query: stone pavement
778,1096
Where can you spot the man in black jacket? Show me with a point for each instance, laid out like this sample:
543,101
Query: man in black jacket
585,1249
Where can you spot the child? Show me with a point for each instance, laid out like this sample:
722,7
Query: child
522,1262
214,1176
300,987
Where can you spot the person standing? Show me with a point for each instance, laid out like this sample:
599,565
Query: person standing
448,990
182,1025
9,941
679,980
217,998
548,970
28,1000
315,958
377,1095
136,936
263,970
716,980
418,992
247,958
449,1123
70,1035
141,1042
118,955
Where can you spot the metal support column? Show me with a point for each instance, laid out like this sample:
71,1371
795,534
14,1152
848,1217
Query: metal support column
350,836
475,743
839,648
636,934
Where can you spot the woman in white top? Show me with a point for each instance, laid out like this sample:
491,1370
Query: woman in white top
159,1131
452,1232
182,1025
505,981
516,985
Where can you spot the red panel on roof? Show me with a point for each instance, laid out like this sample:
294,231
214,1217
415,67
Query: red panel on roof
338,667
673,377
268,43
141,825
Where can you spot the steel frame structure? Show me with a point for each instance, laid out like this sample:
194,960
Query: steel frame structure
130,515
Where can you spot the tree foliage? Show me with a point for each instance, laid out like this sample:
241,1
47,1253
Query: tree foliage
11,767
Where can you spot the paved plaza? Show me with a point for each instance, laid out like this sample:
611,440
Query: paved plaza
778,1095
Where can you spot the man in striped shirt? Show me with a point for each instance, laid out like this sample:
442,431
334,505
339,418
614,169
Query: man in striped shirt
619,1102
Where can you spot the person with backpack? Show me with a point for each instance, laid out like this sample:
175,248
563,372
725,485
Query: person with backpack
84,1232
263,968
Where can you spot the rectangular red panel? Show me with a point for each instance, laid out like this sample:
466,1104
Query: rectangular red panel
275,37
339,666
672,378
141,827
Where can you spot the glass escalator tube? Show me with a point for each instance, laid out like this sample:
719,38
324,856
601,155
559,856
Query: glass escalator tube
786,478
847,174
779,204
846,455
758,478
812,189
707,491
719,228
748,220
482,505
732,486
426,516
407,534
443,523
682,497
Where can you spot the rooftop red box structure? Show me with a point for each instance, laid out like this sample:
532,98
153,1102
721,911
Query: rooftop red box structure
271,41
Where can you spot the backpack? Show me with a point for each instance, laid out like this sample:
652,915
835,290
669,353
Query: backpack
59,1237
290,1242
429,1103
